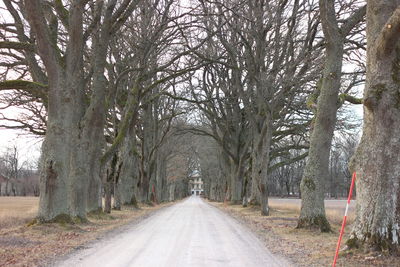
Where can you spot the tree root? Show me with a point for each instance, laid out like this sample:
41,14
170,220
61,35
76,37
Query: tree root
317,222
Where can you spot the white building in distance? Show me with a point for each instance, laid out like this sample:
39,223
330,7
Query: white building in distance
195,184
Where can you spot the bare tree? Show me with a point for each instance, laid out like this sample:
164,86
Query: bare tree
315,174
70,182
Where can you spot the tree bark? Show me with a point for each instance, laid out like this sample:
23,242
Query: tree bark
107,196
377,160
237,183
260,163
255,198
129,170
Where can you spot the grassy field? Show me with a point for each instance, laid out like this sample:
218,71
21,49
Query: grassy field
17,210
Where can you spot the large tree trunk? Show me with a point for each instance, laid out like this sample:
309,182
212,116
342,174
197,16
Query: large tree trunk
144,181
129,170
225,178
149,153
161,176
109,181
94,119
171,191
377,160
317,168
107,196
64,177
69,153
236,182
70,175
260,163
57,189
255,198
117,196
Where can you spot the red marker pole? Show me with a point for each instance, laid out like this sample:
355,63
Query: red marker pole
344,219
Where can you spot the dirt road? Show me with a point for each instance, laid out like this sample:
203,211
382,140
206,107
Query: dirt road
190,233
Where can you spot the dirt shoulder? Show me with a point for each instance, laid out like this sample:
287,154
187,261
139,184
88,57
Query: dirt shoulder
41,244
302,247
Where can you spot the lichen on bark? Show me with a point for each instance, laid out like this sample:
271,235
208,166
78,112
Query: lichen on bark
309,183
376,242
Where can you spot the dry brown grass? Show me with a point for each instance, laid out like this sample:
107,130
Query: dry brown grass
334,209
17,210
301,246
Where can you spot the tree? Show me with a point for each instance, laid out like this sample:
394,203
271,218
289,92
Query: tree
11,169
377,160
70,166
316,171
226,122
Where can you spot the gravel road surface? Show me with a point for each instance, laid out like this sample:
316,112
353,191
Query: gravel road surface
190,233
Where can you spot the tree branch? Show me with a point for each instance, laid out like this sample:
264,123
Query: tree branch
350,99
34,88
17,45
353,20
47,49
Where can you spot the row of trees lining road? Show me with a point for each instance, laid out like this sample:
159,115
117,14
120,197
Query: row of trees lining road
133,97
98,91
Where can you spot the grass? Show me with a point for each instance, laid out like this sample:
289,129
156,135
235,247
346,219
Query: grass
17,210
334,212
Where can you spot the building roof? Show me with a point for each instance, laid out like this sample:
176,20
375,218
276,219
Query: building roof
194,174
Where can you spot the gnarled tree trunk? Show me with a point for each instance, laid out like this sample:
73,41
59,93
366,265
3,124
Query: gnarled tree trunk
377,160
61,196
